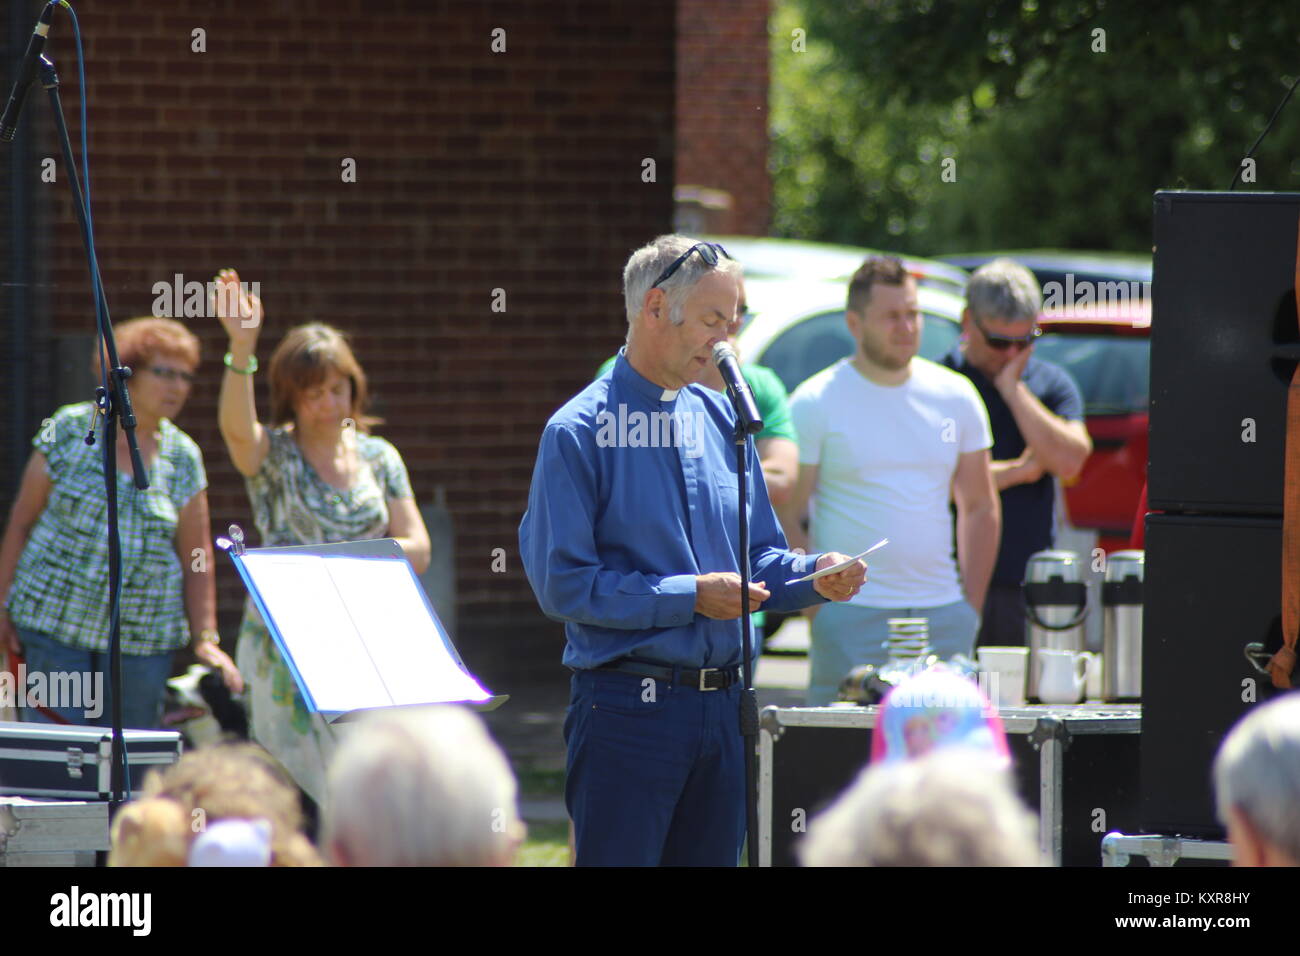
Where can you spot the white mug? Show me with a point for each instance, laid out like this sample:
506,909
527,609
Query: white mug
1002,674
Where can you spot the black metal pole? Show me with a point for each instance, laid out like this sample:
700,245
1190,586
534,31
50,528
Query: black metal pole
18,401
116,403
117,768
748,698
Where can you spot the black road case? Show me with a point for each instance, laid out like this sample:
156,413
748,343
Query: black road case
53,760
1077,766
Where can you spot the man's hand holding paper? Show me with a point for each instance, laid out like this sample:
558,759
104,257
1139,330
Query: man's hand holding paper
843,584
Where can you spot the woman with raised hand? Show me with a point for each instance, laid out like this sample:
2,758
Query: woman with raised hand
314,475
54,598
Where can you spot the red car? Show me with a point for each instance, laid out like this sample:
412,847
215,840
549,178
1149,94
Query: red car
1107,349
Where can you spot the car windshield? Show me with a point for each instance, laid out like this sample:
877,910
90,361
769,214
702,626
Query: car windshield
1113,372
808,347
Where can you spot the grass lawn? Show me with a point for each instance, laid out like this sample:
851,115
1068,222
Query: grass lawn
538,784
547,843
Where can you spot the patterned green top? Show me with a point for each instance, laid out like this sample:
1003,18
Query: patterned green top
61,583
293,505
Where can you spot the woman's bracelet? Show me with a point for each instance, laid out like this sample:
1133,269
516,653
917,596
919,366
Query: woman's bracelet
209,635
230,364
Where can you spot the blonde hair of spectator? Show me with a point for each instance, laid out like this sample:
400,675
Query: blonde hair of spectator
421,786
226,781
952,807
150,832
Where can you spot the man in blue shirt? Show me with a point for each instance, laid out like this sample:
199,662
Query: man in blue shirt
631,539
1036,413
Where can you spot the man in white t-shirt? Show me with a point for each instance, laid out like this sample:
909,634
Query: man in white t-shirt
886,441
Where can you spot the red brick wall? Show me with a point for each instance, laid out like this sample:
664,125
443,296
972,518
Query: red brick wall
722,92
475,170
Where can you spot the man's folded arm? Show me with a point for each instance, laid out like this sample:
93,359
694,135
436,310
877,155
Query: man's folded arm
558,549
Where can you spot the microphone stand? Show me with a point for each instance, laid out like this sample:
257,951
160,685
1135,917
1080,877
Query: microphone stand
748,697
745,426
113,404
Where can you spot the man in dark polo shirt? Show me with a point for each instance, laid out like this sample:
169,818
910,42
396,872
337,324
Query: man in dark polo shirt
1036,412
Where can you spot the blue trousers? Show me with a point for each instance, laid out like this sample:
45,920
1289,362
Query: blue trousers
143,680
656,772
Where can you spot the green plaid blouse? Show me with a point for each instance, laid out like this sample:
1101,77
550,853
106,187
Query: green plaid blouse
61,584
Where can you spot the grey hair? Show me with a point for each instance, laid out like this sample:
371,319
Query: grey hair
1003,289
1257,773
646,264
948,808
421,787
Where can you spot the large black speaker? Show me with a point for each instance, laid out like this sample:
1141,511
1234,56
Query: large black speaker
1223,346
1212,586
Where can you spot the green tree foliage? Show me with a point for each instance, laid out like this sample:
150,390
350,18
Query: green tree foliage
1058,119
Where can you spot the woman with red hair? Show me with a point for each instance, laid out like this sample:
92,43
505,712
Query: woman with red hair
54,554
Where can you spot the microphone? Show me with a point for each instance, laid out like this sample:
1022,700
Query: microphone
26,73
725,358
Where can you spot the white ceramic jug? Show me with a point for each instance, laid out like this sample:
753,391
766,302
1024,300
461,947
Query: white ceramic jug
1062,676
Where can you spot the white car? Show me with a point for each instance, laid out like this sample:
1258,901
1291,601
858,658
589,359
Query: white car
797,326
793,258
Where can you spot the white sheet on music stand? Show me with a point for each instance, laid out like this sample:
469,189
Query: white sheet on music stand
404,641
358,631
315,625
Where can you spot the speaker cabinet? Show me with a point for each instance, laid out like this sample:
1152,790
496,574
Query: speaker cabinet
1223,346
1212,586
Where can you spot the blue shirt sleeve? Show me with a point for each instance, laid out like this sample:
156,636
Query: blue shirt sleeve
558,549
770,557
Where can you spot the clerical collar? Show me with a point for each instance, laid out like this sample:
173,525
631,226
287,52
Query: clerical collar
631,378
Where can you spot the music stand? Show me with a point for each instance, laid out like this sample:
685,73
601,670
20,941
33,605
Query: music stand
355,626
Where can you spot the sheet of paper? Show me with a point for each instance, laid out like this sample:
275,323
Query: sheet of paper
837,568
314,623
405,643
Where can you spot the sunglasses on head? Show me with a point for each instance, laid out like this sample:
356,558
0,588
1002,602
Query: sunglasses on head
708,252
1004,342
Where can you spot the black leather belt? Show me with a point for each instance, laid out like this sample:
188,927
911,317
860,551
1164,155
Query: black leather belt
708,678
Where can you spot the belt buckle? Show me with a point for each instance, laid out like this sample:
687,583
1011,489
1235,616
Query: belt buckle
703,672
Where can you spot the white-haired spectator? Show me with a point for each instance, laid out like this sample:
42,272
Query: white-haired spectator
1257,785
951,807
421,787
